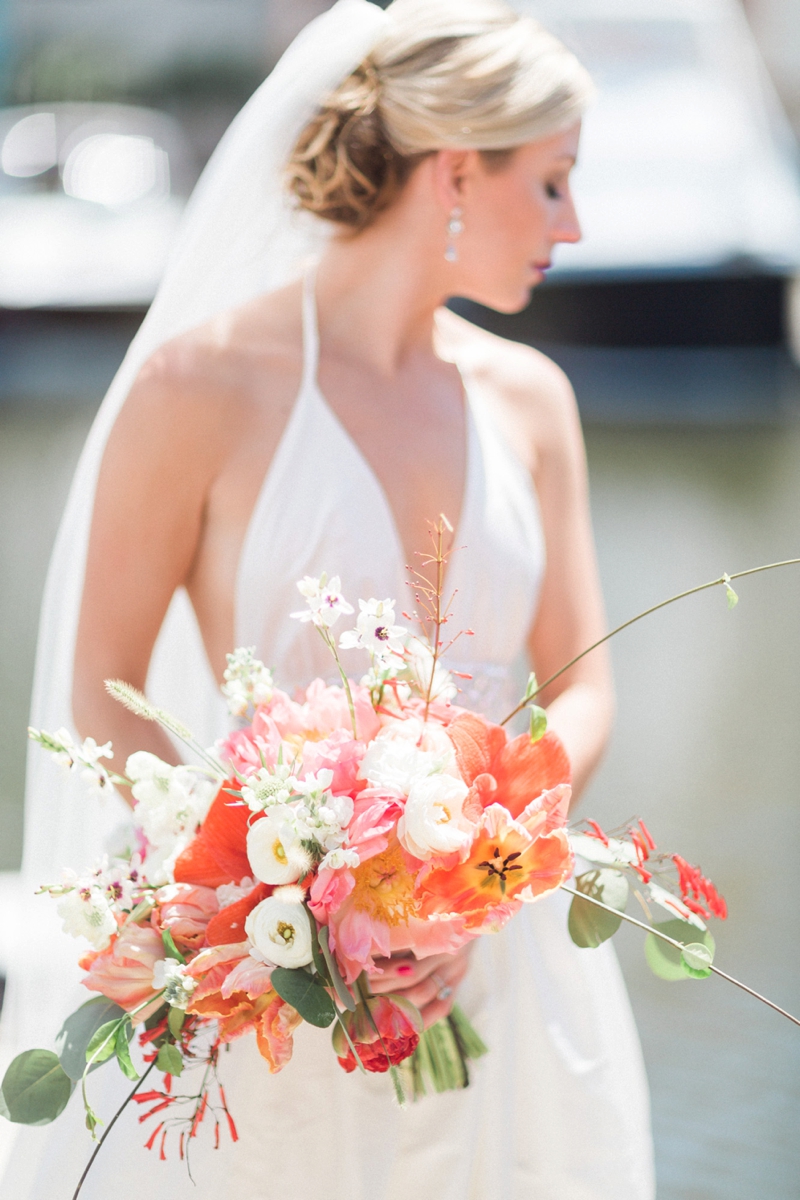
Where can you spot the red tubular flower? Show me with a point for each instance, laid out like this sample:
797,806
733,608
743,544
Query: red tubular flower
597,831
383,1025
647,835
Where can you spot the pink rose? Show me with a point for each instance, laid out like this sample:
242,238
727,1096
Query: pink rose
185,910
124,972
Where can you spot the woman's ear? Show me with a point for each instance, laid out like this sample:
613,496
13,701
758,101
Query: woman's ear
450,171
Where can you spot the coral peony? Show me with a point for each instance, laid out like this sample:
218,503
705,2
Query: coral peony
384,1030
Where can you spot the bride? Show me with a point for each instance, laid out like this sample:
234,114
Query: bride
299,400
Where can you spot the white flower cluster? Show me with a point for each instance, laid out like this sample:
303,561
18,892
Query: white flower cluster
324,599
178,987
376,633
247,681
89,902
303,823
433,821
170,804
84,758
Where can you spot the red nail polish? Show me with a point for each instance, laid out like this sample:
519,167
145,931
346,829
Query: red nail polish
404,969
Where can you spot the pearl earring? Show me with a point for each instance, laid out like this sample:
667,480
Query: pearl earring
454,227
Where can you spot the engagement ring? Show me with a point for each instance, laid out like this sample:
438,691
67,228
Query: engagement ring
445,991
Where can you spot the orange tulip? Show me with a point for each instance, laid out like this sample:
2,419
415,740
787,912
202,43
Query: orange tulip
507,864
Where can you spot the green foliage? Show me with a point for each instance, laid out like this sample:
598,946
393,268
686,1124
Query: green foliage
696,960
169,1059
538,723
175,1021
320,965
35,1088
342,991
122,1050
590,926
666,961
170,949
301,990
102,1043
79,1029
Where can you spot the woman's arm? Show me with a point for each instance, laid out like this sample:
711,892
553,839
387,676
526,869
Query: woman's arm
580,703
148,515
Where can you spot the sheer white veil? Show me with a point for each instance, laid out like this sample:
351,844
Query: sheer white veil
240,237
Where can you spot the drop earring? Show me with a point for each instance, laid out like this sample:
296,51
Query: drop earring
454,227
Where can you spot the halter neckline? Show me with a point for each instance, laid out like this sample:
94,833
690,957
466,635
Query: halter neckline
310,386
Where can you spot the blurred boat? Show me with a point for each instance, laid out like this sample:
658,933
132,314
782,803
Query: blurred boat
90,197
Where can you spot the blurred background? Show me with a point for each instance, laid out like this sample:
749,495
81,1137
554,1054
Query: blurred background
678,320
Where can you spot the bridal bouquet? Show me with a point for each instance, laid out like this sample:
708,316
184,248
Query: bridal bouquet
330,829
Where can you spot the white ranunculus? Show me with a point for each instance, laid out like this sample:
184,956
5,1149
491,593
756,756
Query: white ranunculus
271,848
433,821
281,932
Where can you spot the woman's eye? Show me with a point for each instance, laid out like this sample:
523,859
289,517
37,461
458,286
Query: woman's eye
552,191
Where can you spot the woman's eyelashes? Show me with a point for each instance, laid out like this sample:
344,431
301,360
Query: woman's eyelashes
553,192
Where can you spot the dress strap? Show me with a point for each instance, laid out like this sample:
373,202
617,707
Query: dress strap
310,328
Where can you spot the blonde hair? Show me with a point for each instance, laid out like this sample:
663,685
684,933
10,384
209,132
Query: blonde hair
463,73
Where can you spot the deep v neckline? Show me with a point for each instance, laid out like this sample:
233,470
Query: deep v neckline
311,382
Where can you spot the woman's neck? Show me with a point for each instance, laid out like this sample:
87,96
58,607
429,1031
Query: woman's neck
378,292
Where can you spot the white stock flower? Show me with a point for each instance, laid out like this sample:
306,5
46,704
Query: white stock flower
247,681
433,821
375,631
281,932
86,912
334,860
269,785
274,850
84,758
171,803
178,987
324,599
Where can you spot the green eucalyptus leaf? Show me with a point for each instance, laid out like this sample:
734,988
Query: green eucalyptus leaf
320,964
665,960
590,926
341,988
170,949
169,1059
175,1021
531,687
300,989
538,723
696,959
79,1029
122,1050
101,1044
35,1088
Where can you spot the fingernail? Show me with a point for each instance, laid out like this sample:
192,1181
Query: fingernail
404,969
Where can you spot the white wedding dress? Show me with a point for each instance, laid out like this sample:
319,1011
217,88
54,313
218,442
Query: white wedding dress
558,1109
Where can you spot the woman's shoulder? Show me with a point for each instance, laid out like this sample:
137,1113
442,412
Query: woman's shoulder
244,365
531,397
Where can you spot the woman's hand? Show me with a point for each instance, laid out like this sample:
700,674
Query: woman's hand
429,983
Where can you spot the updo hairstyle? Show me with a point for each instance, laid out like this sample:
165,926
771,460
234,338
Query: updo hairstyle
463,73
